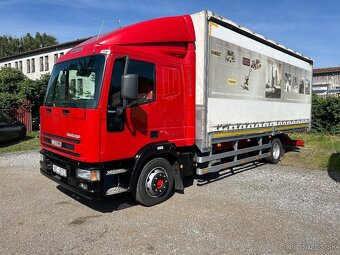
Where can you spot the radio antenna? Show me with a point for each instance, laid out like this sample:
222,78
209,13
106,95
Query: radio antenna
100,30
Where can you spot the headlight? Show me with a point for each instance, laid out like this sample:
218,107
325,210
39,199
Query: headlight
91,175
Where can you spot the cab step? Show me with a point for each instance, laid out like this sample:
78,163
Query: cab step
115,190
117,171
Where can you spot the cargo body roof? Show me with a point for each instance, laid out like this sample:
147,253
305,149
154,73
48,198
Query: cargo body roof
260,38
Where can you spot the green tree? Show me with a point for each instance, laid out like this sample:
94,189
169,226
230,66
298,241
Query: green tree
11,45
326,114
9,90
28,42
15,86
34,90
9,80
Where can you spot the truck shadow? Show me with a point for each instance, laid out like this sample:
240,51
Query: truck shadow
333,167
105,205
213,177
125,200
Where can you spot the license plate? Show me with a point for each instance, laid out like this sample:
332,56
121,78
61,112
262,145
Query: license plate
59,171
56,143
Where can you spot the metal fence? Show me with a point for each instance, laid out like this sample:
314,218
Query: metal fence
23,114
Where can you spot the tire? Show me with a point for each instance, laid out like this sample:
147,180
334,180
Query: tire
22,134
155,182
276,152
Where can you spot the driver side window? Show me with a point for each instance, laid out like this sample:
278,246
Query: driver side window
146,89
146,81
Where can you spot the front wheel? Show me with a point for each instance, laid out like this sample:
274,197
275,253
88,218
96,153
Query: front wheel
155,182
276,152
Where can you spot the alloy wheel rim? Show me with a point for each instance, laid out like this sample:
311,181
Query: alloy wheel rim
276,151
156,183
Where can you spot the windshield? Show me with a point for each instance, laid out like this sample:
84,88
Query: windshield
76,83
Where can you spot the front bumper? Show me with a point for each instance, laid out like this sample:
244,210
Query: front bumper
71,182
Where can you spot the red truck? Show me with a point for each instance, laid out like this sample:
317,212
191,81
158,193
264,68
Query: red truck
142,107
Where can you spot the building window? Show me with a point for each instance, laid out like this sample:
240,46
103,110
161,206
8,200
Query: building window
61,54
33,65
46,63
41,64
20,65
28,66
5,65
55,57
16,64
9,64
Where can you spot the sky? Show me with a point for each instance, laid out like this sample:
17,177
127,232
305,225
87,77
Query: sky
311,27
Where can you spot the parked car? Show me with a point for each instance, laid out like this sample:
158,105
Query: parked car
10,128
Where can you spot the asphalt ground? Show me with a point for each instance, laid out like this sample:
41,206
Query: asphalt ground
257,209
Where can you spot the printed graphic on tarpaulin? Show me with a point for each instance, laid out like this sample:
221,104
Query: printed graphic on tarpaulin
242,70
307,86
295,84
250,84
249,75
274,79
230,57
288,82
302,86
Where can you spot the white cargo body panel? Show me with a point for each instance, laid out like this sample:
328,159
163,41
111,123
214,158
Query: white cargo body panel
245,83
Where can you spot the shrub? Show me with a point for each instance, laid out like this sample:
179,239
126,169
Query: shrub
326,114
15,86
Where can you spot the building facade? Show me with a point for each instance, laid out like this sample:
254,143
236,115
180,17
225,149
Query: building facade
40,61
326,81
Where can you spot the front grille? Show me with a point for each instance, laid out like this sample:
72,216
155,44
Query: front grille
63,144
61,150
70,140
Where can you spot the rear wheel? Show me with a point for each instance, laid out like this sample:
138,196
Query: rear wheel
276,152
155,182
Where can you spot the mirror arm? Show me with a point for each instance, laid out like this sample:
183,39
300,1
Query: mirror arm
121,109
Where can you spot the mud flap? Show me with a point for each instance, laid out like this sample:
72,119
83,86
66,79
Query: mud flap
179,187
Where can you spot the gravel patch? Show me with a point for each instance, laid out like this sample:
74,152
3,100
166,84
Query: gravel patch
262,209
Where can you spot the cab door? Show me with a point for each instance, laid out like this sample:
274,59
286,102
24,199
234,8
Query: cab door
130,129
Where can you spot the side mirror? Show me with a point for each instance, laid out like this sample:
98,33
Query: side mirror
129,86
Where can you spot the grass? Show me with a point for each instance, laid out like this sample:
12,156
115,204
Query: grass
321,151
31,142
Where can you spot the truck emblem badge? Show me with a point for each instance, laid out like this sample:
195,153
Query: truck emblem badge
73,135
